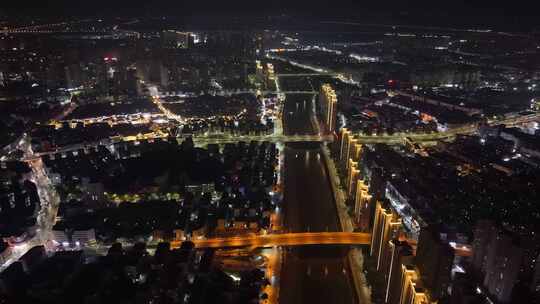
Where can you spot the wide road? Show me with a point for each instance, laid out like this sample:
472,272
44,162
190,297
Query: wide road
284,239
310,274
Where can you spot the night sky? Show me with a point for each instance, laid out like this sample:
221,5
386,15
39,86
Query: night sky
458,12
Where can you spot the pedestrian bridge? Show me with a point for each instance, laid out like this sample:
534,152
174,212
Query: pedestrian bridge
284,239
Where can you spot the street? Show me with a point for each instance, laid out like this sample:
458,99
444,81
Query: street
49,206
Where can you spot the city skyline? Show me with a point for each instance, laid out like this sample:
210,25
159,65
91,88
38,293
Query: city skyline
453,13
270,153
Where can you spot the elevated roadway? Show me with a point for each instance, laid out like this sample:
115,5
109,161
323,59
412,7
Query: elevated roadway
395,139
284,239
307,74
200,140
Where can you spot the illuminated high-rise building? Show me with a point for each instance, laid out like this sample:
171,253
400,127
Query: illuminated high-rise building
403,282
350,153
345,138
535,104
259,71
353,174
412,290
270,75
350,149
328,104
3,80
259,44
400,253
386,227
363,206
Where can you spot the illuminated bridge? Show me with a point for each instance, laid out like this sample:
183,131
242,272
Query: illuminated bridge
301,239
284,239
201,140
400,138
307,74
396,139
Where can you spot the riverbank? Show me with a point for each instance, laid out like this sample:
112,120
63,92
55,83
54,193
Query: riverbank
355,256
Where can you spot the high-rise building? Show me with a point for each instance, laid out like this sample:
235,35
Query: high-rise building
464,290
153,71
352,176
400,253
503,262
412,290
362,205
259,44
3,80
482,235
345,138
498,257
328,104
75,76
535,104
101,79
176,40
125,81
350,154
386,227
535,284
55,76
270,76
434,259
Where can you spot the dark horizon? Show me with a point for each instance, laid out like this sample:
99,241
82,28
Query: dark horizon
515,15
